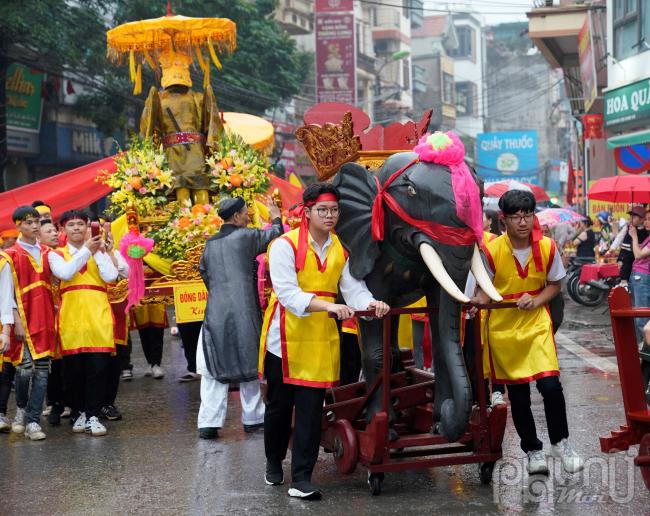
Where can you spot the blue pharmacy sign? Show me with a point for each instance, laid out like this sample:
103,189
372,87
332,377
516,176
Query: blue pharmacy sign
507,155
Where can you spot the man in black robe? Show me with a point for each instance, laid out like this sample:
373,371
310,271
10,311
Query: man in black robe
229,345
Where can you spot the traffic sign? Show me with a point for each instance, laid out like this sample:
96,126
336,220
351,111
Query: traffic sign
633,159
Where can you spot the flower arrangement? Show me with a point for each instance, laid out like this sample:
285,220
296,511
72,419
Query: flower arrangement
142,178
187,228
237,170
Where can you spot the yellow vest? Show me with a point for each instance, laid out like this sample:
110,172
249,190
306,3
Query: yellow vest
85,316
520,345
310,345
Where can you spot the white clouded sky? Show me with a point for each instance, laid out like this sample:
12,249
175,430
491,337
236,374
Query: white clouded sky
493,11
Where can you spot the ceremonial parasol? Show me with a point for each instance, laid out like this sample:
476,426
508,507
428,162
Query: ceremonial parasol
629,189
552,216
501,187
145,40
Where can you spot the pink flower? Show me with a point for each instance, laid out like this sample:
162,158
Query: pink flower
142,190
197,222
128,186
190,237
206,234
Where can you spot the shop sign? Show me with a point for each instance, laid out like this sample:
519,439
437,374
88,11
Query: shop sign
335,58
190,300
508,155
24,102
329,6
593,126
630,103
587,64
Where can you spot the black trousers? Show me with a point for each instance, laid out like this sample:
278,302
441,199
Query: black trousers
86,375
554,408
282,398
6,379
124,353
56,391
189,333
152,344
113,373
350,358
469,354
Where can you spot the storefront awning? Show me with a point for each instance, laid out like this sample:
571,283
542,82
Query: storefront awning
623,140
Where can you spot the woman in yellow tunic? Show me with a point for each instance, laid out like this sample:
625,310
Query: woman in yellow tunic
520,346
299,345
85,322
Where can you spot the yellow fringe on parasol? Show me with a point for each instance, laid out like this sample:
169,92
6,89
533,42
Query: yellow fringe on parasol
145,40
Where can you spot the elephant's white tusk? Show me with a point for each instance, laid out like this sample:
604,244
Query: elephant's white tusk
482,277
434,263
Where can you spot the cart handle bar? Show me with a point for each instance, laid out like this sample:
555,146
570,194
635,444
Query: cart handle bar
425,310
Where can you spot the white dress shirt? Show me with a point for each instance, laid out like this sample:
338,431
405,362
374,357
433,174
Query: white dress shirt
122,266
282,267
65,271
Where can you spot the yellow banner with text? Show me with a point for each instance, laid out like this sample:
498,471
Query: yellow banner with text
189,301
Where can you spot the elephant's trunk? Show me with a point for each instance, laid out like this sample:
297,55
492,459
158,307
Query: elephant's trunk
455,411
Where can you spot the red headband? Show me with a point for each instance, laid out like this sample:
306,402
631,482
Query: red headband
303,244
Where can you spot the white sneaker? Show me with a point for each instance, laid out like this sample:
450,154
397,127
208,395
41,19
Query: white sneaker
94,427
34,432
497,399
149,372
47,410
67,411
80,424
5,425
18,424
127,375
537,463
157,372
174,331
571,461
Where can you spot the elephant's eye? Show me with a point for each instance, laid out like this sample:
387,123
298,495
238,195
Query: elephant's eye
411,190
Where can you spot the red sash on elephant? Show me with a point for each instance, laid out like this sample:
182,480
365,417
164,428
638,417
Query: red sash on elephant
33,288
520,344
310,345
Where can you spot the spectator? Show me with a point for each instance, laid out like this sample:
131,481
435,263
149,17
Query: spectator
640,277
585,242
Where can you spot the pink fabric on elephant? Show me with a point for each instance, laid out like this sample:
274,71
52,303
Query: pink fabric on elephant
448,150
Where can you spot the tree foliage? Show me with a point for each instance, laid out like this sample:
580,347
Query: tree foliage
69,37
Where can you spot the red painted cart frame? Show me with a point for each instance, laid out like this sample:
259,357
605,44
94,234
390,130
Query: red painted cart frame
636,429
411,393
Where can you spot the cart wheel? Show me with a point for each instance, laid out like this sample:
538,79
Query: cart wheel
485,472
375,480
346,447
644,451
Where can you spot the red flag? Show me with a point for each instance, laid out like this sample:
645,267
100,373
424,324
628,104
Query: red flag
571,184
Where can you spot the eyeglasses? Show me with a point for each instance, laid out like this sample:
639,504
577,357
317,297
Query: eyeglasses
324,212
518,218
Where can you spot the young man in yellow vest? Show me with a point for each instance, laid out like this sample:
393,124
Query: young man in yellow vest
299,345
85,318
520,345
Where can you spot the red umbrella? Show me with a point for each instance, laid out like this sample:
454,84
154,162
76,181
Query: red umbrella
629,189
498,189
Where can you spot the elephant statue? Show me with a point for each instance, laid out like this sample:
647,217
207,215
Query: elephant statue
426,250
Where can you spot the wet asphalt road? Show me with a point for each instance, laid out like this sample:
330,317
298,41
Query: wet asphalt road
153,462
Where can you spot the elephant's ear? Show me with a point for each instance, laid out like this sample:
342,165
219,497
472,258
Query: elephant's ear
358,190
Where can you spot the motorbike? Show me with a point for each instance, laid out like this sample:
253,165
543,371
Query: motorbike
590,293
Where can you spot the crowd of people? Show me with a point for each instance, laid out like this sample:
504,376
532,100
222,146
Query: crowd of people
66,347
